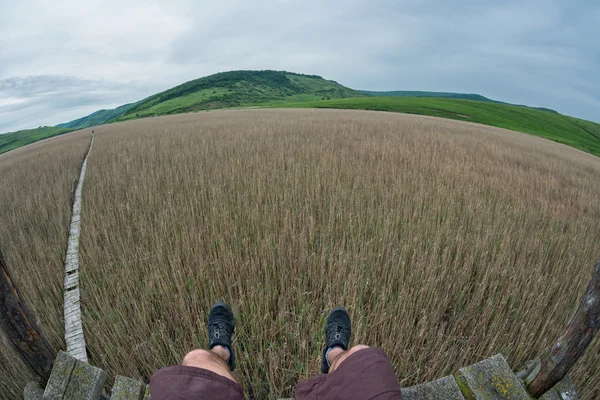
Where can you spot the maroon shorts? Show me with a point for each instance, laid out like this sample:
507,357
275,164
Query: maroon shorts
366,374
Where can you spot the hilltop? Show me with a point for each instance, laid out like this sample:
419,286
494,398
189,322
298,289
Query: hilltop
97,118
238,89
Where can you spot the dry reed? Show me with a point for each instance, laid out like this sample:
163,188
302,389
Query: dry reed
448,242
35,199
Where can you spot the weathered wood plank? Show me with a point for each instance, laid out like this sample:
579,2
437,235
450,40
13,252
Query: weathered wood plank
59,379
33,391
72,379
23,334
491,379
566,389
444,388
74,337
71,281
128,389
563,390
86,382
582,328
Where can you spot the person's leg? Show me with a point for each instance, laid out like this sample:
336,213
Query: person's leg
219,357
203,374
337,355
214,360
356,373
338,330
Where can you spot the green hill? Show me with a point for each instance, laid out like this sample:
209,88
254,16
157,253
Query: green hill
286,89
446,95
12,140
416,93
239,89
578,133
97,118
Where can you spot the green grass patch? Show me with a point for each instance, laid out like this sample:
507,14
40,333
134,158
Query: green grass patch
12,140
581,134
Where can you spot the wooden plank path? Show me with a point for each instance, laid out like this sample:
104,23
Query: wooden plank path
72,310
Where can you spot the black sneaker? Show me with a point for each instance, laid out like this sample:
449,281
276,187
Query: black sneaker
221,326
337,331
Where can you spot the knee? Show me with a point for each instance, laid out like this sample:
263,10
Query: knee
197,357
357,348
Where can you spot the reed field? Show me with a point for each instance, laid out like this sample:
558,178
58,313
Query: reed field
35,207
447,241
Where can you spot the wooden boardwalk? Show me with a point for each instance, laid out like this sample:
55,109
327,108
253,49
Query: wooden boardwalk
73,326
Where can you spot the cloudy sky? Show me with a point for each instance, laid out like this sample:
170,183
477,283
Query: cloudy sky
60,60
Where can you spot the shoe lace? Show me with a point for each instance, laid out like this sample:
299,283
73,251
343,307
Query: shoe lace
217,330
336,331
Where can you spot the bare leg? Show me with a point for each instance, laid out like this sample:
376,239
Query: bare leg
337,356
214,360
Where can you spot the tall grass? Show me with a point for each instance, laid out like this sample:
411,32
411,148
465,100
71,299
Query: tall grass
35,200
448,242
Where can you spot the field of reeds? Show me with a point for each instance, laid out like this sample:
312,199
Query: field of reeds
36,183
448,242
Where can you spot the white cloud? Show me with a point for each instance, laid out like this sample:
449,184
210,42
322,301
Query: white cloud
542,53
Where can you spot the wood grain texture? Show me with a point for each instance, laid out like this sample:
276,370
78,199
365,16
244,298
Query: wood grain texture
22,332
73,379
128,389
74,337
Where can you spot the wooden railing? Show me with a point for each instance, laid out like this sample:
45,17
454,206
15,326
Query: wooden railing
23,334
553,365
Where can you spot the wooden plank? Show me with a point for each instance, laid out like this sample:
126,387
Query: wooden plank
23,334
444,388
128,389
59,379
491,379
33,391
86,382
71,281
72,379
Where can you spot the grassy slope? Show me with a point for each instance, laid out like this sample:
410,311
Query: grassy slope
446,95
12,140
417,93
286,89
581,134
238,89
97,118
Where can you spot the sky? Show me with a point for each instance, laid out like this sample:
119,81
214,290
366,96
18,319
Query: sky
61,60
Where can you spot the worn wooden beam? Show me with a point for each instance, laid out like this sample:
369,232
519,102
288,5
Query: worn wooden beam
72,379
22,332
580,332
128,389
